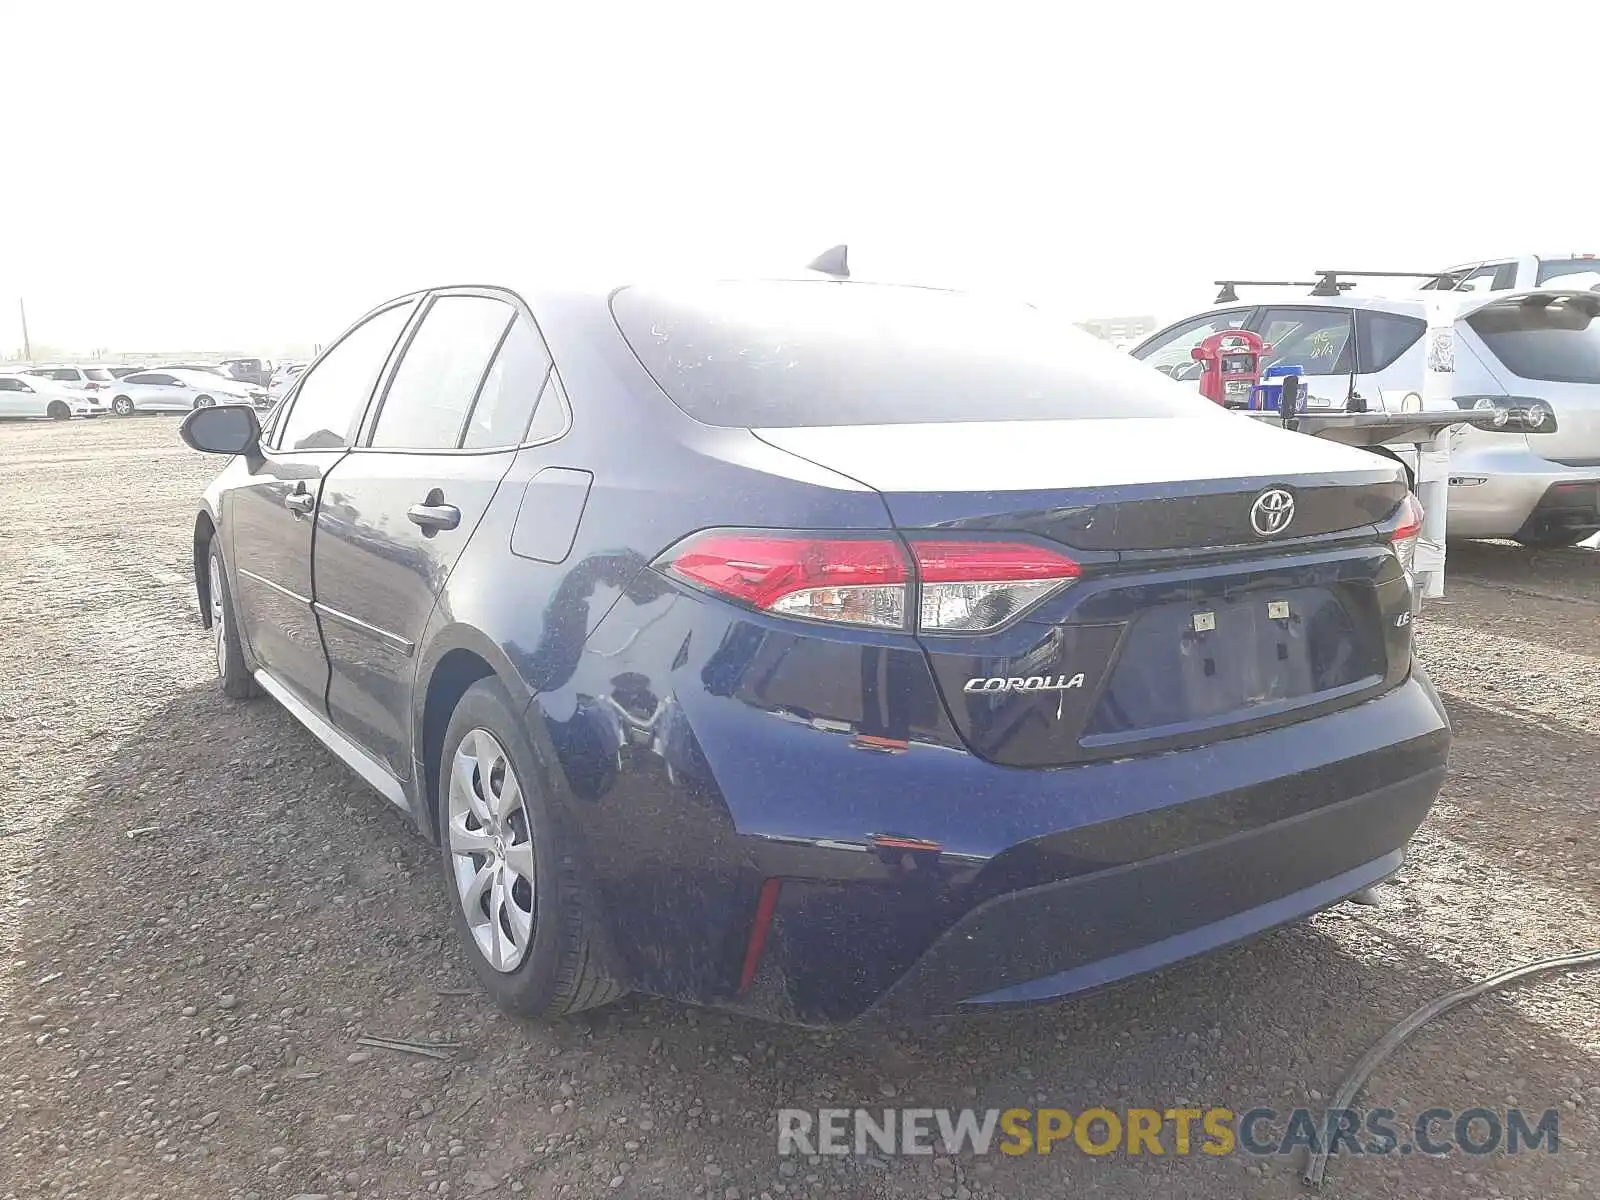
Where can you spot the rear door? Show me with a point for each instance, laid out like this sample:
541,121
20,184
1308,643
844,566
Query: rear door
273,515
397,512
1321,340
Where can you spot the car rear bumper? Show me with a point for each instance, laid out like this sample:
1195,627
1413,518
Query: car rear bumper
1496,492
1068,937
766,892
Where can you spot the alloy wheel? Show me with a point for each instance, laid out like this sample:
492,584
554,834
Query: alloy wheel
491,850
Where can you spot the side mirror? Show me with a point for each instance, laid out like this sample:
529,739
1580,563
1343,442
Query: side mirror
221,429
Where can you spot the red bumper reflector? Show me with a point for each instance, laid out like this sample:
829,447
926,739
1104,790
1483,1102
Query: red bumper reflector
758,932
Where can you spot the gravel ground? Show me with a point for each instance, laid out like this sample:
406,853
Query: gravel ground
203,911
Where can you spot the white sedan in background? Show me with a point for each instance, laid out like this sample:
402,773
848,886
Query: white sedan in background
42,396
177,390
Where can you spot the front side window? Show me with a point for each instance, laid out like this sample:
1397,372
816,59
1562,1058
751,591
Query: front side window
13,385
335,391
65,374
1168,352
1319,340
439,374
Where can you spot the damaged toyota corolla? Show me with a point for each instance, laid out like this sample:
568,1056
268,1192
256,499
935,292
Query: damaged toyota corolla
822,650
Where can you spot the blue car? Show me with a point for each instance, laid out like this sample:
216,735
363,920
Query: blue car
822,650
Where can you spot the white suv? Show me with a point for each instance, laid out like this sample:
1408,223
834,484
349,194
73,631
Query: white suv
93,380
1513,350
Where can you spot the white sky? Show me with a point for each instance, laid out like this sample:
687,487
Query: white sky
249,174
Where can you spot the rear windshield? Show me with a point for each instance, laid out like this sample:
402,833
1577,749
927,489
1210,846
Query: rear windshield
1580,274
1557,342
97,373
775,354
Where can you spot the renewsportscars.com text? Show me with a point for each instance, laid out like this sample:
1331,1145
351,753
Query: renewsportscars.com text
1214,1131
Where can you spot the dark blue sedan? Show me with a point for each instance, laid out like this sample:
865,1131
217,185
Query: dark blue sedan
823,650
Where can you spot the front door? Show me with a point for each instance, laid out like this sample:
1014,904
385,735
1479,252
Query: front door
273,516
398,510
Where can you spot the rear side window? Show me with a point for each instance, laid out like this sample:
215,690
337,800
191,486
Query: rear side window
66,374
789,353
434,386
1383,337
510,390
1556,342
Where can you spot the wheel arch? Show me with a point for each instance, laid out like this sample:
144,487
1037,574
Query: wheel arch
205,529
456,659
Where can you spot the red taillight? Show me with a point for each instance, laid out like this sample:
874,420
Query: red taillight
1404,537
966,586
860,581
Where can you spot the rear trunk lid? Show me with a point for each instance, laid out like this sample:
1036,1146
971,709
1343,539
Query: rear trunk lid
1545,345
1197,614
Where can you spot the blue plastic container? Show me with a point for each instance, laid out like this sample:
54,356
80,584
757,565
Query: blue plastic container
1268,397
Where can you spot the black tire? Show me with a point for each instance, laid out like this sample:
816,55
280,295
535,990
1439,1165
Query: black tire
59,411
122,406
203,401
562,972
232,671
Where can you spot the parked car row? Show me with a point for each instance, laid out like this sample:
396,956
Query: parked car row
64,390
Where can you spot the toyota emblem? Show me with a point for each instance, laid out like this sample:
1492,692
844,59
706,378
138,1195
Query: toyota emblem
1272,512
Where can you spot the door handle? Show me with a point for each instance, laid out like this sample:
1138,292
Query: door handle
434,517
300,502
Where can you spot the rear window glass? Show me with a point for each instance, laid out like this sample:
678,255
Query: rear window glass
1556,342
775,354
97,373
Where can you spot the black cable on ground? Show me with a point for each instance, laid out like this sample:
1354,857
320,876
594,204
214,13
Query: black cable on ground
1387,1044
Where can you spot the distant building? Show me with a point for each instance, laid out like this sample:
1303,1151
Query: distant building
1121,330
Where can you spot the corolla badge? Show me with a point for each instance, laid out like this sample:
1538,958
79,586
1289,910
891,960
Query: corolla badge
1031,683
1272,512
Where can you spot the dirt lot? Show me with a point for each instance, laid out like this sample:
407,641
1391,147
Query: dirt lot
203,911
